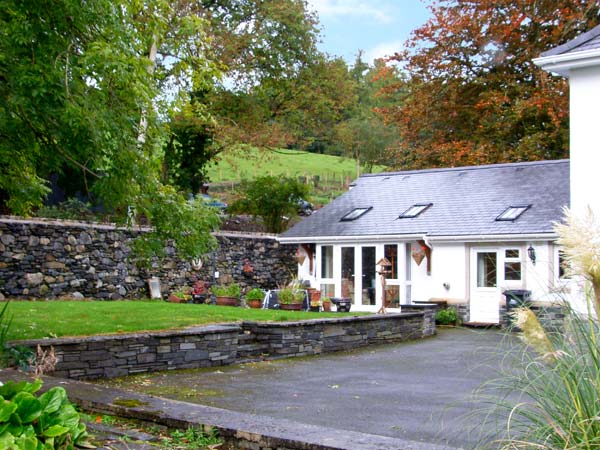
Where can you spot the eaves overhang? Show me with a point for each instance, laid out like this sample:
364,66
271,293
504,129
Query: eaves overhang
563,64
418,236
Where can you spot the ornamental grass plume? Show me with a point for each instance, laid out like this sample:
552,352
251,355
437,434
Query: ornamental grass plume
533,334
579,237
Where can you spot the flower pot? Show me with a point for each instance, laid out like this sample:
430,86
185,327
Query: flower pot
291,306
327,306
174,299
227,301
254,303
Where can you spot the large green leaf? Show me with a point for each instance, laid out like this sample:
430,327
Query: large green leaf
9,389
29,408
27,443
68,416
6,440
6,410
55,430
53,399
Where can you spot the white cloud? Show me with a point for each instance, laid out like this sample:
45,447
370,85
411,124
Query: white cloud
339,8
382,50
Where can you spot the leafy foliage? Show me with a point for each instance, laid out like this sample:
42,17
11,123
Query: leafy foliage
473,95
273,199
230,290
45,422
447,316
255,294
191,439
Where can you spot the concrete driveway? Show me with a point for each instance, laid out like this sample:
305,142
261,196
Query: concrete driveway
419,390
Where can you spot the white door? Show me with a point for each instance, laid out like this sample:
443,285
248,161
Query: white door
485,293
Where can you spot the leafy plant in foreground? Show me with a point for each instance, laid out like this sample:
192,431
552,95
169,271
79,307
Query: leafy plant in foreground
447,316
46,422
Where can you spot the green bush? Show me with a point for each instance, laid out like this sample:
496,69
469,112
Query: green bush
46,422
447,316
255,294
229,290
273,199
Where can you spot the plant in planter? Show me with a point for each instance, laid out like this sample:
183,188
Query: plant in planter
255,297
228,295
326,301
448,316
290,298
183,295
315,305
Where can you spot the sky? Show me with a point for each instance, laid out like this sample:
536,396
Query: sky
378,27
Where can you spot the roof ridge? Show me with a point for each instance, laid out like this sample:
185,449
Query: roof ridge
465,168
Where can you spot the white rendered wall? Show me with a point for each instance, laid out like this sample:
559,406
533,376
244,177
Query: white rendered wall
585,142
448,266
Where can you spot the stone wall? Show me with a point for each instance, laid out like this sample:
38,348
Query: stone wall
53,259
127,354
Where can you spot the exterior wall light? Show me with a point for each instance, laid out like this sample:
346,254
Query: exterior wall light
531,254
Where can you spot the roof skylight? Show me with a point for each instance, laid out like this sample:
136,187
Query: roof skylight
414,210
512,213
355,214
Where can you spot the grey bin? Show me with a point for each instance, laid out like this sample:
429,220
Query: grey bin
342,303
516,298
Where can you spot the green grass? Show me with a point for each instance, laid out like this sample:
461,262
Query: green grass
40,319
290,163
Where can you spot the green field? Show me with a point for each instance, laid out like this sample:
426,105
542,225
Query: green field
328,175
43,319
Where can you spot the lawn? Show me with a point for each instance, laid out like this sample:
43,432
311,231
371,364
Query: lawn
40,319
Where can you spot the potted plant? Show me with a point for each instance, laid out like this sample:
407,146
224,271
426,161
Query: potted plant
315,305
326,301
183,295
255,298
290,299
228,295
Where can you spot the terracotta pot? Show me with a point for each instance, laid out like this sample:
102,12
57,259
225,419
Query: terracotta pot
291,306
327,306
315,295
175,299
227,301
254,303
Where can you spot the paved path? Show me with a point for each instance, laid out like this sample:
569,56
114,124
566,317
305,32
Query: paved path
417,390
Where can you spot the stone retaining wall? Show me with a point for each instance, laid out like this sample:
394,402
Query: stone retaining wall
52,259
127,354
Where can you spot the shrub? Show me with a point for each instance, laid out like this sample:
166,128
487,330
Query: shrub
447,316
255,294
273,199
229,290
29,422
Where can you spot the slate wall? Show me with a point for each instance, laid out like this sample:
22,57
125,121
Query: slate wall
126,354
58,259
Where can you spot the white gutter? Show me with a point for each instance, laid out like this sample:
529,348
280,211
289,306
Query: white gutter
562,64
429,240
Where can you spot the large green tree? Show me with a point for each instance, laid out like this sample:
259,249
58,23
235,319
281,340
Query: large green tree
473,94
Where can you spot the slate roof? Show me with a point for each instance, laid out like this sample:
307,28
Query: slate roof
466,201
585,41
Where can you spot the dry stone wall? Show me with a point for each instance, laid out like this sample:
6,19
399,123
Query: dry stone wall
58,259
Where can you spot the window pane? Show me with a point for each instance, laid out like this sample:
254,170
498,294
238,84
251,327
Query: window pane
563,265
486,269
368,275
512,253
348,272
512,271
327,261
392,296
328,290
391,254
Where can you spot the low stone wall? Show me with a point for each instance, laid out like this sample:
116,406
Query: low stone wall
53,259
127,354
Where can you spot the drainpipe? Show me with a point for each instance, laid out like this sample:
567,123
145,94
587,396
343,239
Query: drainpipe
427,242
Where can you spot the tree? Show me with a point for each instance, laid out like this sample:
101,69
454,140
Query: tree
273,199
473,94
80,86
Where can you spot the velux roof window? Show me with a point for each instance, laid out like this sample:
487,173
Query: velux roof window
512,213
355,214
414,210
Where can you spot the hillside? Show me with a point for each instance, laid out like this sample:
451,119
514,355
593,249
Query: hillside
328,175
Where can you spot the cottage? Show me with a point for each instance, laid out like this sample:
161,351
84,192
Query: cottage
463,235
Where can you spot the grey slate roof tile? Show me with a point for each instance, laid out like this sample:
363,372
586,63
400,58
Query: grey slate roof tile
466,201
586,41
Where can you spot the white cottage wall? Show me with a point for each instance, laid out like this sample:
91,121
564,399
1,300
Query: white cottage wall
448,273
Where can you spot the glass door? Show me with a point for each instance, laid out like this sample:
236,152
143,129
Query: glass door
348,287
368,275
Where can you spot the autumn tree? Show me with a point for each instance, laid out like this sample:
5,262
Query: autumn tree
473,94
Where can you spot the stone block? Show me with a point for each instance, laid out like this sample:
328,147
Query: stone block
195,355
